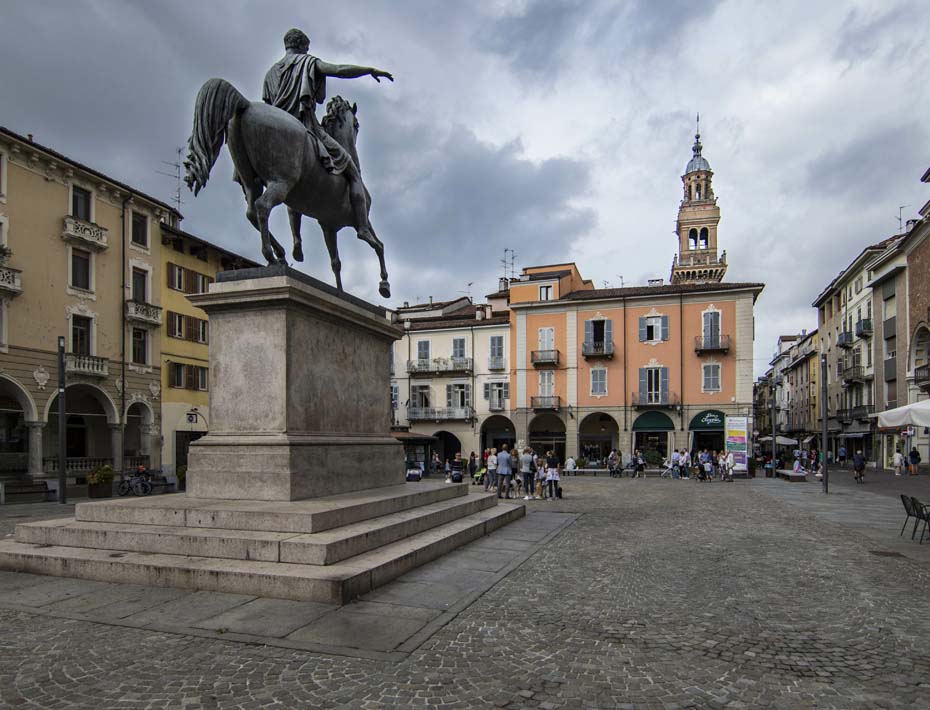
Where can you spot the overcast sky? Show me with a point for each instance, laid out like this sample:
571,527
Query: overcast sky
557,129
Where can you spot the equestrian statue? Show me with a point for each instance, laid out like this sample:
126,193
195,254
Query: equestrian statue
282,154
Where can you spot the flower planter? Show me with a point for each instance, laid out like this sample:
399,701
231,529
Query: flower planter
99,490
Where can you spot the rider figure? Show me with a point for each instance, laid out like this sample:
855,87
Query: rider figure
296,84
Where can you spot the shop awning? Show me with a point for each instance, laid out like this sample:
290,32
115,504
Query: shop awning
708,420
809,439
653,421
781,440
409,437
916,414
852,435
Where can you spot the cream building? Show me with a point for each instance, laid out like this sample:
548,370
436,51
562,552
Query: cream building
85,267
450,379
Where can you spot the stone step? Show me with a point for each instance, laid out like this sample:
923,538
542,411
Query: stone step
320,548
300,516
331,584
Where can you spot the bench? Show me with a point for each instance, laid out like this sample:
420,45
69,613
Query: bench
584,471
791,476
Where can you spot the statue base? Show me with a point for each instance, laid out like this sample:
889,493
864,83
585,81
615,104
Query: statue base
299,391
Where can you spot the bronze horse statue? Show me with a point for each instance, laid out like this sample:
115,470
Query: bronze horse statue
276,162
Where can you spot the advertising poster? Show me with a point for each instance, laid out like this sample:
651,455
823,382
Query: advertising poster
737,433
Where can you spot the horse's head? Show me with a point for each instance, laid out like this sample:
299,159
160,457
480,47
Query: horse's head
340,121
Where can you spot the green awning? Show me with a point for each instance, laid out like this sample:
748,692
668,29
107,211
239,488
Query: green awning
653,421
708,420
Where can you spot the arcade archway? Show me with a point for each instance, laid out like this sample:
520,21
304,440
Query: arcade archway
546,432
598,435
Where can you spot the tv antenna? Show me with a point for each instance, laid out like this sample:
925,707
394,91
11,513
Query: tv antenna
900,218
620,276
467,290
176,174
509,262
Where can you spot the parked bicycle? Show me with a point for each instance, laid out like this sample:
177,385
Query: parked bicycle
138,484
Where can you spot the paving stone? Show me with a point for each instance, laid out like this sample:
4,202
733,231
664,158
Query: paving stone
345,628
266,617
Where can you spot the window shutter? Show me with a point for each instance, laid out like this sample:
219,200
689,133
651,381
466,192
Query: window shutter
608,331
642,330
449,396
190,377
663,384
664,327
643,381
206,331
487,390
170,272
706,377
506,390
467,395
190,328
589,331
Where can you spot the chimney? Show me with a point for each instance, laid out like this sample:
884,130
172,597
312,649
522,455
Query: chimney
406,304
909,225
488,311
29,137
431,300
503,284
479,313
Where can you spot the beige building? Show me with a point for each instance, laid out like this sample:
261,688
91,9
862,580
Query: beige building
450,377
85,267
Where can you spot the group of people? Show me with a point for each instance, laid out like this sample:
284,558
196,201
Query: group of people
705,465
899,461
510,472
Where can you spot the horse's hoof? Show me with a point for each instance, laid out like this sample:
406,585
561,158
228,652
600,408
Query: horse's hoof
384,288
298,254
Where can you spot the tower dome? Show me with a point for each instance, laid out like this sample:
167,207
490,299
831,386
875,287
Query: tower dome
698,161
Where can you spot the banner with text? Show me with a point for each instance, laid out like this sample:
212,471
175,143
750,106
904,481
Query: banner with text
737,432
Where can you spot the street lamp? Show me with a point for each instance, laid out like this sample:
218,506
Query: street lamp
62,439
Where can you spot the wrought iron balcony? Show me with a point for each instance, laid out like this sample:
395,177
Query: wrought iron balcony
711,344
597,348
89,365
439,414
553,402
922,377
861,411
856,373
845,339
864,328
655,399
84,234
497,362
11,283
144,313
544,357
440,365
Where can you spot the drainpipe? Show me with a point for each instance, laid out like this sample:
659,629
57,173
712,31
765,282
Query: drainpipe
681,361
118,455
625,408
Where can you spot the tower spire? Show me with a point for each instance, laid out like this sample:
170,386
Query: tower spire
696,149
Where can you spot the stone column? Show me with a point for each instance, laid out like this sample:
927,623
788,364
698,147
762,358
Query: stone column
35,449
116,445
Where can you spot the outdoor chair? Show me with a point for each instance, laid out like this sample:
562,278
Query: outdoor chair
909,509
921,512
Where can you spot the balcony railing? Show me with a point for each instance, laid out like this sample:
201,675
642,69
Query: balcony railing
497,404
553,402
145,313
544,357
922,377
864,328
440,365
861,411
11,282
75,464
89,365
711,344
845,339
655,399
856,373
438,414
597,348
85,234
497,362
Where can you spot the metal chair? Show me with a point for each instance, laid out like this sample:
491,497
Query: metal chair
921,512
909,509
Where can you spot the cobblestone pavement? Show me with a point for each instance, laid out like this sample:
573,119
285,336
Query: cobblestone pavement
663,594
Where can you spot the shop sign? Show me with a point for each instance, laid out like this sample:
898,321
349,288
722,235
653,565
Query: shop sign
737,441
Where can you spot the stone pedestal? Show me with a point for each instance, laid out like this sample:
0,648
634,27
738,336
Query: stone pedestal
299,391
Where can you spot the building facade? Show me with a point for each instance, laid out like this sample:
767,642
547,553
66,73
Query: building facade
85,267
189,265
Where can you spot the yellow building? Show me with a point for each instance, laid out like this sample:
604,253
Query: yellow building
188,265
85,267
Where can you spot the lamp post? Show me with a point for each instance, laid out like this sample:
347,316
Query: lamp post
823,417
62,439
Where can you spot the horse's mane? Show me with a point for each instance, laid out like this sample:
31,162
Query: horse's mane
336,107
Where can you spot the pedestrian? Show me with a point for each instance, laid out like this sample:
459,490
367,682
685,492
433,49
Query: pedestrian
686,463
728,464
640,465
552,475
914,459
504,471
842,455
458,468
491,480
859,466
676,460
540,478
898,462
527,467
570,465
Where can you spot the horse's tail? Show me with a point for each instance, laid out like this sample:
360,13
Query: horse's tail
218,101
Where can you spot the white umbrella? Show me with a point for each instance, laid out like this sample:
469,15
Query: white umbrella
917,414
780,440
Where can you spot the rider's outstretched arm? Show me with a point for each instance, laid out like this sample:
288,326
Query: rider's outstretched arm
351,71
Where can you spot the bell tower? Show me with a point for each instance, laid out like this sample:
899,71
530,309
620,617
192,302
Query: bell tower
698,216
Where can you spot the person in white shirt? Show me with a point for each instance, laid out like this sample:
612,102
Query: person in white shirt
570,465
491,480
552,475
898,462
729,466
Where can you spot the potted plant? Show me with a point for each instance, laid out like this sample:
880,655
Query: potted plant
181,474
100,482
